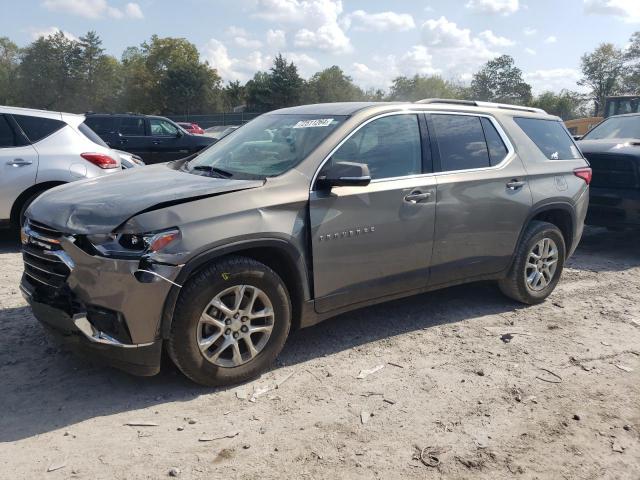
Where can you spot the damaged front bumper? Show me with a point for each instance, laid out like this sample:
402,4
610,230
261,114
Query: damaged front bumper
107,307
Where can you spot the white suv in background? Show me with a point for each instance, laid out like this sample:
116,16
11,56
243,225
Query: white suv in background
40,150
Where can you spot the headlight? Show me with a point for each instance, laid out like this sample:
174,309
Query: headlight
133,245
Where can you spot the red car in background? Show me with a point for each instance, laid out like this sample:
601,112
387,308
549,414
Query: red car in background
191,127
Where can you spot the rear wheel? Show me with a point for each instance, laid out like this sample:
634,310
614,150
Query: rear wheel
538,264
231,321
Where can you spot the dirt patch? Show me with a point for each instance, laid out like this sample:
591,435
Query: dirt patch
489,388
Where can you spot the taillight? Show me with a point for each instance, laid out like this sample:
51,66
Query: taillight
100,160
584,173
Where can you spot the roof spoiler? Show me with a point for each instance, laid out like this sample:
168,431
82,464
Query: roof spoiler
474,103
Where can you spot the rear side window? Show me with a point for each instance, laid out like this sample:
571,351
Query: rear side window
550,137
461,142
37,128
91,135
101,125
7,135
133,126
497,148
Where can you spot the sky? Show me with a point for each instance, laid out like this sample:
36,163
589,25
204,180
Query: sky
373,41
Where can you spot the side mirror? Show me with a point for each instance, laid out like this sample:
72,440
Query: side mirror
179,133
345,174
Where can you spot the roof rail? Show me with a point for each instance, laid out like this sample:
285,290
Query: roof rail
475,103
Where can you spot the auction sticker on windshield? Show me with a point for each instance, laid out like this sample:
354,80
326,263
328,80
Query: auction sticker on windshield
318,122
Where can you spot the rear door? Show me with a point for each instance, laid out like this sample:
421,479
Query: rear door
133,137
373,241
106,127
168,141
483,197
18,164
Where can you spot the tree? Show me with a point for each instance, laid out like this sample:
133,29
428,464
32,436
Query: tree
603,71
566,104
50,74
631,82
500,80
234,95
286,84
419,87
258,92
9,62
331,85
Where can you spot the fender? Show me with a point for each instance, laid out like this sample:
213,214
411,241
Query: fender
544,206
281,242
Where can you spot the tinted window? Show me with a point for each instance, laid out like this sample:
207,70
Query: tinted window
162,128
497,148
461,142
616,127
133,126
390,146
101,125
551,138
91,135
265,147
37,128
7,135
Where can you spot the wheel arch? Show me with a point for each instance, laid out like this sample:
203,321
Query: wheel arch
28,193
278,254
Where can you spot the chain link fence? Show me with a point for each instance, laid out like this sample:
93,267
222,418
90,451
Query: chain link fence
215,119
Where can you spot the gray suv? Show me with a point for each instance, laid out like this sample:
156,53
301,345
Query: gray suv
300,215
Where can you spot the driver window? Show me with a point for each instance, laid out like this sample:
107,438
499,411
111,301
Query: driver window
390,146
162,128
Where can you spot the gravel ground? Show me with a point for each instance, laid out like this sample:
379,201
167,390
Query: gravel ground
557,397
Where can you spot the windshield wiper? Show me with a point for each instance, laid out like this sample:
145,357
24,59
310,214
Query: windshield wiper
218,171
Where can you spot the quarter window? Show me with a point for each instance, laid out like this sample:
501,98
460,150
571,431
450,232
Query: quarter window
390,146
37,128
101,125
497,148
132,126
551,138
461,142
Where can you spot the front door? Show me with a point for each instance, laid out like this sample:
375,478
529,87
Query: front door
373,241
483,197
167,141
18,165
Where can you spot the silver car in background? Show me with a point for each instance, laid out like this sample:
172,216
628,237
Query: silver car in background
40,150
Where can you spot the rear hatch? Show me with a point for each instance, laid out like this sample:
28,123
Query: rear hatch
615,164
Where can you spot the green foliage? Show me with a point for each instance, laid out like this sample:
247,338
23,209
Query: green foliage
281,87
420,87
331,85
603,72
566,104
9,62
501,81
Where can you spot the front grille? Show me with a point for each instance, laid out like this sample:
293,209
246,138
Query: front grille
614,170
41,265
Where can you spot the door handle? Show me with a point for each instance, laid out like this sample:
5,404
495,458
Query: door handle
156,142
123,141
19,162
515,184
417,197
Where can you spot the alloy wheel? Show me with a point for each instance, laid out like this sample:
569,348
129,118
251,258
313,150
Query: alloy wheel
542,264
235,326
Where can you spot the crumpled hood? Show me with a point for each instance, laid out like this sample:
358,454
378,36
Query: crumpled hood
623,146
100,205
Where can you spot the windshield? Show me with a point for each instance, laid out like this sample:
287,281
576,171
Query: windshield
616,127
265,147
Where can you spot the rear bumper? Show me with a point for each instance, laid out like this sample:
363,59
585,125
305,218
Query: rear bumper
615,207
76,332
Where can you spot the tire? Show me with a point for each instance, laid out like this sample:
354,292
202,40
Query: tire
515,285
19,220
267,292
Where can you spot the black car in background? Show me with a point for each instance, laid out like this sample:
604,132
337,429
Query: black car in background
154,139
613,150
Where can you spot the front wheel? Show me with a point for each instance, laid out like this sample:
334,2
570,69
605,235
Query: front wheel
537,266
231,321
